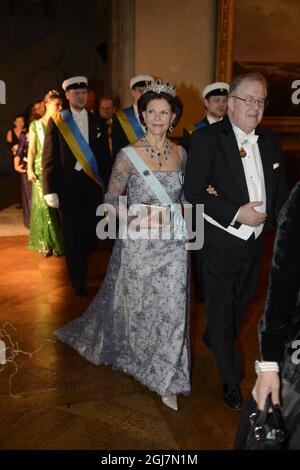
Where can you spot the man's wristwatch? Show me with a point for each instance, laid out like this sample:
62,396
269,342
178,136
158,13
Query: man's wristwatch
266,366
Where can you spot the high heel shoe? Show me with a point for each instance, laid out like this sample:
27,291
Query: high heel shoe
56,253
46,253
170,401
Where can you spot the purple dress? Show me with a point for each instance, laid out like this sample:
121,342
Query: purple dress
26,185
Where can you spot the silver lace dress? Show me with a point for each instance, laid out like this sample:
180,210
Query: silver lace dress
138,321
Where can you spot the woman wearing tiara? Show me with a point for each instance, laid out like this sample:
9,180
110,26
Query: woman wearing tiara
138,321
44,236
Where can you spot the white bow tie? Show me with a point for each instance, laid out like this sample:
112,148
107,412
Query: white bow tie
247,139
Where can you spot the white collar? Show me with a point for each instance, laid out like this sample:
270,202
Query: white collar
212,120
242,138
241,133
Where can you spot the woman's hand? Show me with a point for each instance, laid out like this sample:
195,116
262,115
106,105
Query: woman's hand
18,165
212,191
31,176
20,169
151,222
14,149
156,218
267,382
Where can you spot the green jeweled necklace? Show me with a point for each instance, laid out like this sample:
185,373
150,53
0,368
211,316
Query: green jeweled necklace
155,153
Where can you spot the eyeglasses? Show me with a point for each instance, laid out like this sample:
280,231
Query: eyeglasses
249,101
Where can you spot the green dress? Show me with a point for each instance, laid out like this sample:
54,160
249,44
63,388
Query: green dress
45,234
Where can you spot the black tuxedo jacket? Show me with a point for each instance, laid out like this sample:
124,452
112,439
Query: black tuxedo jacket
58,161
186,138
214,159
281,323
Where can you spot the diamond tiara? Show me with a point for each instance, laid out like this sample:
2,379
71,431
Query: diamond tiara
159,87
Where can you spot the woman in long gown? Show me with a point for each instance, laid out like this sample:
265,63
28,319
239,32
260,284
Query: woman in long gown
45,234
20,165
12,141
138,321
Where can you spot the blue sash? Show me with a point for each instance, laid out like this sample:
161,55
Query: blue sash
139,131
197,125
200,124
158,190
82,151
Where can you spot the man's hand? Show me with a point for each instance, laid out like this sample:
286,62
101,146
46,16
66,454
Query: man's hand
267,382
249,216
52,200
212,191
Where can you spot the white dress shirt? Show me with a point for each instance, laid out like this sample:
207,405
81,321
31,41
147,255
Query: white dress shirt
255,183
212,120
82,121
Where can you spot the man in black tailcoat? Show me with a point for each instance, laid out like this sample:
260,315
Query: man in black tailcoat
242,161
66,184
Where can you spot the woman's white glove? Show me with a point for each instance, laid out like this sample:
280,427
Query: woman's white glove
52,200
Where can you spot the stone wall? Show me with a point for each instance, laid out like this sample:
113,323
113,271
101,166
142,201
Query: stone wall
175,41
40,48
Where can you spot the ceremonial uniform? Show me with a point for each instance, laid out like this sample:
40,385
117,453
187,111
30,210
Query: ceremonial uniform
76,169
126,125
213,89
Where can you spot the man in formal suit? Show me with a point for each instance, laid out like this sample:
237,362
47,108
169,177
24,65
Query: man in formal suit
126,125
68,186
108,106
242,161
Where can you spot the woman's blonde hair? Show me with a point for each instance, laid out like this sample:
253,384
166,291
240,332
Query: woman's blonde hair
51,95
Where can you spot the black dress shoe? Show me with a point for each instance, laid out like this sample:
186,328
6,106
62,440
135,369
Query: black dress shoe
232,396
81,292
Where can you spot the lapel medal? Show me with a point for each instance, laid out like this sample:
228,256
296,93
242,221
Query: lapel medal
243,152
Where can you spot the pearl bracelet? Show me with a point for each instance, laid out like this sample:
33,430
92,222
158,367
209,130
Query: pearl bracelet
266,366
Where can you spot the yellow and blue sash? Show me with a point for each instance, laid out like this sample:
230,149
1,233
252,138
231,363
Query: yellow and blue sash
197,125
77,144
130,124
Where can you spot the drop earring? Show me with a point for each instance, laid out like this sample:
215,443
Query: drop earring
171,128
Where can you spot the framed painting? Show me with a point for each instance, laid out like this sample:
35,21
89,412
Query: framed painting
264,37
